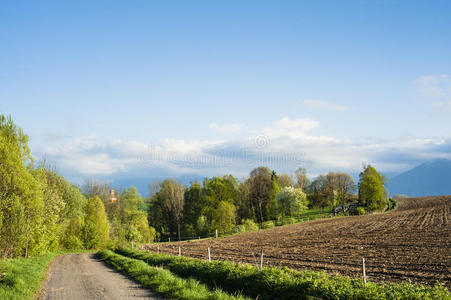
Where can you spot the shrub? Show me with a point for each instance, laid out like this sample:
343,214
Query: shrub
268,224
246,226
288,220
361,211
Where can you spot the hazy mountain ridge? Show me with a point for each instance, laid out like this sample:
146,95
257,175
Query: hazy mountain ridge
431,178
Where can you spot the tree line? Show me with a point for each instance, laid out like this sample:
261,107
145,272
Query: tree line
40,211
223,203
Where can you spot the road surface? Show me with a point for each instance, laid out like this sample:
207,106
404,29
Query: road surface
81,276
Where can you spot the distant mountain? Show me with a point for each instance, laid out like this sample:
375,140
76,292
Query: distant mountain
431,178
142,184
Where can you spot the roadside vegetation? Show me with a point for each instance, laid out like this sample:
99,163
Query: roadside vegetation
283,283
21,278
163,281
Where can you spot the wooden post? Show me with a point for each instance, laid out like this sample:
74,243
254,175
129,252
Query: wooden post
261,260
209,254
216,233
179,230
180,251
363,269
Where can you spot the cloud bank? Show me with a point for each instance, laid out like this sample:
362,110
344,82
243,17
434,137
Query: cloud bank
284,145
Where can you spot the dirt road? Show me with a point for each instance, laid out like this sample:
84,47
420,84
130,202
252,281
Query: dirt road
82,276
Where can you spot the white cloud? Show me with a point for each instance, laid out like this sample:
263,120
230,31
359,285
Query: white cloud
226,128
434,86
295,129
290,143
318,104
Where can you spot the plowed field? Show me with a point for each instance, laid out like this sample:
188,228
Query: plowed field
411,243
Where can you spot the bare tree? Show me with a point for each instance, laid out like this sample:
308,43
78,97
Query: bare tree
301,178
285,180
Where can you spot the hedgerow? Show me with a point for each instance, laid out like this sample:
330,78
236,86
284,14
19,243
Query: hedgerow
284,283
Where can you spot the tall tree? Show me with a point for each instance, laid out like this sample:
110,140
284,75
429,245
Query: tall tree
96,229
285,180
21,200
192,207
302,180
172,197
372,192
260,192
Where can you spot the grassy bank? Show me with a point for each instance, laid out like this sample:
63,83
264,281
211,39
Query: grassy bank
162,281
271,283
23,276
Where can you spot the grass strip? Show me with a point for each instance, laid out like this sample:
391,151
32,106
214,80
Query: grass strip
284,283
161,280
23,276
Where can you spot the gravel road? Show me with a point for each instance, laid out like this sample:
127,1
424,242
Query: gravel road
82,276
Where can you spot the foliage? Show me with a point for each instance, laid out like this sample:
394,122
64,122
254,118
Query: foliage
224,217
162,281
247,226
291,201
276,283
371,189
96,229
361,210
268,224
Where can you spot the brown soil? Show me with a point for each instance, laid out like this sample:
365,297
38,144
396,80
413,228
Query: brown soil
411,243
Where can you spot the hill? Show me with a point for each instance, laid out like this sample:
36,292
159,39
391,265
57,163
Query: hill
429,178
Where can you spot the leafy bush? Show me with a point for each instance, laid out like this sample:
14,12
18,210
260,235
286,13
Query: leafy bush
361,211
288,220
276,283
162,281
268,224
248,225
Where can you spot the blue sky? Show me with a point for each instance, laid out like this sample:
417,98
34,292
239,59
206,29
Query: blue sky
115,89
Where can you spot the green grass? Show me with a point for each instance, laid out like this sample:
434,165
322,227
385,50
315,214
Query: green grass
162,281
24,276
276,283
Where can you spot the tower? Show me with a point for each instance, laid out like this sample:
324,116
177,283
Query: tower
112,198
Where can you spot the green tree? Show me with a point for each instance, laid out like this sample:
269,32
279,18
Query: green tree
21,200
217,190
292,201
224,217
96,229
192,207
372,192
261,192
170,198
317,192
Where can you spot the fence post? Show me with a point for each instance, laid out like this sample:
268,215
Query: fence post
364,271
209,254
216,233
180,251
261,260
